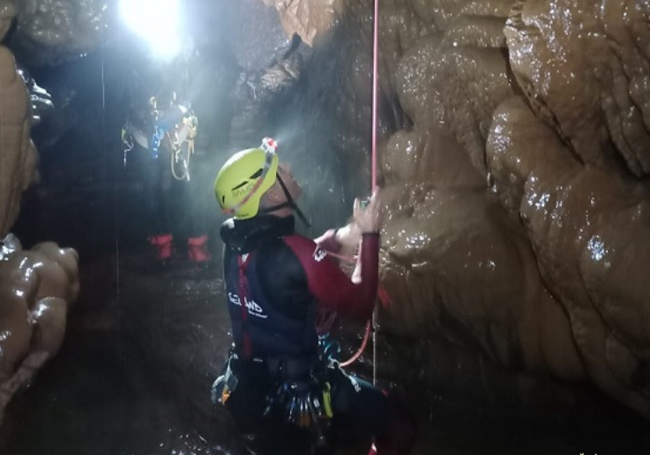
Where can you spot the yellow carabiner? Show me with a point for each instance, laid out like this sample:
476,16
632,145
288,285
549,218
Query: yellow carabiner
327,400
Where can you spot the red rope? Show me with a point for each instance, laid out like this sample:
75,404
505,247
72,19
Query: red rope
375,39
383,295
362,348
375,58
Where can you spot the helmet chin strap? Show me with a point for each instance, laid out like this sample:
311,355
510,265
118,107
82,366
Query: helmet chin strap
290,203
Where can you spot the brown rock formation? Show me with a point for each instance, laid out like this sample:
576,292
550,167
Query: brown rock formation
53,31
516,208
16,150
36,286
36,289
306,18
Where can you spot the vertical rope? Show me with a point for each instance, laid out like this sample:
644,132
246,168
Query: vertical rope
375,58
375,39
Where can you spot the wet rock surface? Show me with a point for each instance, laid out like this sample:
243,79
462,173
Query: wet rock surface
136,368
144,345
484,242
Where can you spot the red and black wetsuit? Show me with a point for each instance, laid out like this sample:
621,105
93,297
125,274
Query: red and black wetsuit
284,280
289,279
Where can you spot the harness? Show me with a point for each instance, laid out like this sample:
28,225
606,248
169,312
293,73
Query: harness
280,367
300,393
178,139
242,262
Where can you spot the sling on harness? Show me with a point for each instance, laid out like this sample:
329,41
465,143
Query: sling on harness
227,382
178,129
300,394
289,203
243,261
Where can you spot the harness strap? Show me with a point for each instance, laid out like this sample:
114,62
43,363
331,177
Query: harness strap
294,369
243,261
288,203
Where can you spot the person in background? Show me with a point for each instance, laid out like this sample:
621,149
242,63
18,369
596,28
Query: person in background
159,151
276,378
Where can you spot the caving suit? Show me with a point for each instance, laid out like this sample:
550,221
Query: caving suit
162,206
277,282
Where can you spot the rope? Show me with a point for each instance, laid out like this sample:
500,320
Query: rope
375,39
176,152
375,58
366,335
362,348
371,326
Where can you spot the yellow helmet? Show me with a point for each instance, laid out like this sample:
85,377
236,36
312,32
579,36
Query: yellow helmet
245,177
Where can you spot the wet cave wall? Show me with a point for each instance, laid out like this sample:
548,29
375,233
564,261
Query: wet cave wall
513,137
38,285
513,161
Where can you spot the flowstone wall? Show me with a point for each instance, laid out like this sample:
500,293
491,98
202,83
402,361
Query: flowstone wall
515,152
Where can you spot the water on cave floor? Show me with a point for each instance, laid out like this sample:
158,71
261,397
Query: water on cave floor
144,345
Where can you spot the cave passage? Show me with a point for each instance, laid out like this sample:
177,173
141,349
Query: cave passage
514,154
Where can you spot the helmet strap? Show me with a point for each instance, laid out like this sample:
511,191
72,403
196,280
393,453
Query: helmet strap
288,203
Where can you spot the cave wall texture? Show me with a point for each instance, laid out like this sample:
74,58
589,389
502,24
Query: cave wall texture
514,162
37,286
514,157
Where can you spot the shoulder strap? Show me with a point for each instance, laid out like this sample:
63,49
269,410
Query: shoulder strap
243,260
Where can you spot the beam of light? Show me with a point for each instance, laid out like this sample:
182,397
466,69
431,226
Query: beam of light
156,21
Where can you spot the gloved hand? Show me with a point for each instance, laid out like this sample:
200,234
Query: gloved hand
368,219
348,237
